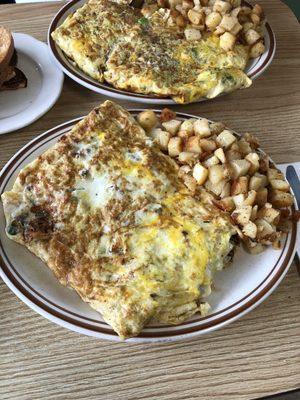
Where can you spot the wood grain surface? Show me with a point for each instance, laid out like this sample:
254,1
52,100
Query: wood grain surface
253,357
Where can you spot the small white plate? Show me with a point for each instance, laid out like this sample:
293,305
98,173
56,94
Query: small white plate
254,68
19,108
237,289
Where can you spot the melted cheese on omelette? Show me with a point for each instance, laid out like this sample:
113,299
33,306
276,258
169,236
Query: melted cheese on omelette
104,209
108,42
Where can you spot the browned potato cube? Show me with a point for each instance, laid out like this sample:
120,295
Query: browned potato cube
251,197
190,182
254,213
216,127
225,138
264,228
192,34
221,6
195,17
269,214
216,173
227,41
175,146
226,204
253,158
244,147
273,173
239,185
215,188
167,115
213,160
200,173
201,128
250,230
187,4
228,22
188,126
184,170
261,197
186,157
239,168
255,183
279,184
225,190
281,199
263,178
232,155
193,145
257,50
236,29
147,119
208,145
239,200
172,126
212,20
252,36
257,9
162,138
255,19
221,155
242,215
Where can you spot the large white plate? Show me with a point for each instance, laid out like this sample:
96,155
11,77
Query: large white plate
238,289
19,108
254,69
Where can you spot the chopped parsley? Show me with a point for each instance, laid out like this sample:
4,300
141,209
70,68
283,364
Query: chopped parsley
143,21
227,78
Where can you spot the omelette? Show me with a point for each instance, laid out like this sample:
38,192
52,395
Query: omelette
114,43
106,212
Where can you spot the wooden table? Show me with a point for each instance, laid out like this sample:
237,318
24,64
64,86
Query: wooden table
254,357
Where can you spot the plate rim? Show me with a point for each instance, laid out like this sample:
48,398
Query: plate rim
181,331
106,89
31,45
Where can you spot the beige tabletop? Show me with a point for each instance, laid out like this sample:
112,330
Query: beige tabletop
253,357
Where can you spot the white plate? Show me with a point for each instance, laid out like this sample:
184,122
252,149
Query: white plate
19,108
238,289
254,69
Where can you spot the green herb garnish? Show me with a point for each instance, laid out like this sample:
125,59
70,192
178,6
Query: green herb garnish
143,21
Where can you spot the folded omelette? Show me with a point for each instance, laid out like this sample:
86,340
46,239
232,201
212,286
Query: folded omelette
113,42
105,210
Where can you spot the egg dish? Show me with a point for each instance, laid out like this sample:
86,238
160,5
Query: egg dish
105,210
143,53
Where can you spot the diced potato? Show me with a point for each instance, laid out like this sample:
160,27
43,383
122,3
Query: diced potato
252,36
192,34
219,31
195,17
201,128
221,155
242,215
235,12
216,128
239,185
250,230
225,190
281,199
235,146
273,173
228,22
216,173
255,183
184,170
254,213
247,26
264,228
186,157
215,188
239,168
227,41
187,4
193,145
225,138
239,200
167,115
236,29
244,147
279,184
269,214
147,119
200,173
257,50
208,145
256,248
257,9
175,146
253,158
149,9
162,138
226,204
213,160
174,3
181,21
190,182
252,140
264,179
251,197
184,135
172,126
235,3
188,126
212,20
261,197
255,19
232,155
221,6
